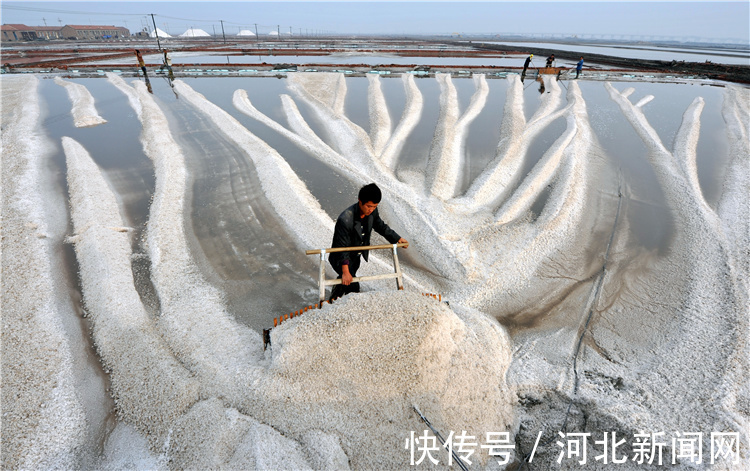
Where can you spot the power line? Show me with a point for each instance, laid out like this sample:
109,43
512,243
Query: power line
79,12
71,12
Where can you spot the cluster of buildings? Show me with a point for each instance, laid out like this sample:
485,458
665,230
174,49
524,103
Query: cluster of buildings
19,32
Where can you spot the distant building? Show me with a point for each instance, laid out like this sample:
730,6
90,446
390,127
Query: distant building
84,32
20,32
48,32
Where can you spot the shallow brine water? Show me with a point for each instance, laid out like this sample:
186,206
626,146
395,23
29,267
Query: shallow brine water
740,56
186,58
241,245
603,225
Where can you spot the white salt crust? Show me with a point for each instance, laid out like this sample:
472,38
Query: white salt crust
449,233
256,388
554,239
445,159
297,207
683,365
147,381
43,420
708,345
176,276
355,369
84,110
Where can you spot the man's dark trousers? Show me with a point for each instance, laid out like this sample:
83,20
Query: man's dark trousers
341,290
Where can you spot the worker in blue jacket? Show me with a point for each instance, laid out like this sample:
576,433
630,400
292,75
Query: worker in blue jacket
353,228
579,67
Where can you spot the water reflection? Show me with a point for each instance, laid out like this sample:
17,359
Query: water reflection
739,56
243,247
187,58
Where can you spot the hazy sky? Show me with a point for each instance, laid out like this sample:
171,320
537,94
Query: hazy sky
707,20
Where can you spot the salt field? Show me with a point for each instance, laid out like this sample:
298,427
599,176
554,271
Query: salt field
195,58
588,240
739,55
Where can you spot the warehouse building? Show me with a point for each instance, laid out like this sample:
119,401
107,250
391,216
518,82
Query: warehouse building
20,32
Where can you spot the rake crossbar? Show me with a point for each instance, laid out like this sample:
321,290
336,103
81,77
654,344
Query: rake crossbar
337,281
357,249
323,282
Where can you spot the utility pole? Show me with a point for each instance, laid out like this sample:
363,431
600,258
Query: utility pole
222,31
278,32
45,21
256,32
156,33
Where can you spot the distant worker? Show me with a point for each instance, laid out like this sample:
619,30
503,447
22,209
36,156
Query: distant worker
579,67
140,61
168,64
353,229
526,64
550,60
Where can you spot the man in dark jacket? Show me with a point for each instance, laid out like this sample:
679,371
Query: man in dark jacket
526,63
353,229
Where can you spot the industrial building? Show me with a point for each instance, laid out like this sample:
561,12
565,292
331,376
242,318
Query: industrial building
20,32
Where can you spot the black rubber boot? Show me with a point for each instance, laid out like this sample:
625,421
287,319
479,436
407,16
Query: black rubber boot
337,292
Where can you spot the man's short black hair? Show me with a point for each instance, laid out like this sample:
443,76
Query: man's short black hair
370,193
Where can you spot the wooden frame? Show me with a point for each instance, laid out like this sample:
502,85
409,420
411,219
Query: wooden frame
323,282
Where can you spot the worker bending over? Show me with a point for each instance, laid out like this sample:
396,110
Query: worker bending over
353,228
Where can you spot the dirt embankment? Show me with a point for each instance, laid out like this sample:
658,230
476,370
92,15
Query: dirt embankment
726,72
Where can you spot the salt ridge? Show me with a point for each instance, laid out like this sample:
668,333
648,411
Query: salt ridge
44,421
542,174
84,110
222,355
209,424
496,181
713,309
150,383
177,279
347,138
380,123
422,215
279,181
446,159
405,204
530,247
407,123
735,215
305,219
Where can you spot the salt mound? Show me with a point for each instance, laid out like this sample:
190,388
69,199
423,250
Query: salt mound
355,368
84,110
194,33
